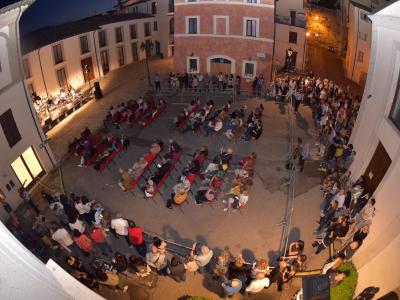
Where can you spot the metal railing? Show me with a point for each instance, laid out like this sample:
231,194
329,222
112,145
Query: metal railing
287,220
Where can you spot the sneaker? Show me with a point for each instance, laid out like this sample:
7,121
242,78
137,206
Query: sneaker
225,209
125,289
80,166
224,201
197,203
169,207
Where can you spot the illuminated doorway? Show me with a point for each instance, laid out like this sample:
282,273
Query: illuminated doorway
27,167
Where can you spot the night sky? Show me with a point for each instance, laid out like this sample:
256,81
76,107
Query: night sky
45,13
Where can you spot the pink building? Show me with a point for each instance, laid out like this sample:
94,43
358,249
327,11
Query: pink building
231,36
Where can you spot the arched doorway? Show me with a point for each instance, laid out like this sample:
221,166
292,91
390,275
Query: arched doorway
220,63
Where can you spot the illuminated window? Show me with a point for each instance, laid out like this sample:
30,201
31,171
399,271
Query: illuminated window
27,167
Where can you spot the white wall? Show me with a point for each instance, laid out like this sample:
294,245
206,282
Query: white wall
358,30
282,44
12,96
72,56
375,259
283,7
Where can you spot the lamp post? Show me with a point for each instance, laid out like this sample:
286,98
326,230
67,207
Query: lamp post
147,47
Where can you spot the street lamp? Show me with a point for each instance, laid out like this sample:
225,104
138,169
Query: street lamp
147,47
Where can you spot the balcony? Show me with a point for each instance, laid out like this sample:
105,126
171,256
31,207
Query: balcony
299,21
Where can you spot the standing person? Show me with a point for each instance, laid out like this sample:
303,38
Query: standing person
119,228
221,267
231,288
99,237
298,97
157,260
178,270
111,279
7,207
258,284
157,82
23,193
61,236
304,154
83,242
202,257
135,234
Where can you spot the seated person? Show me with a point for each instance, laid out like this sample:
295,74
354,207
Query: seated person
162,169
177,198
156,147
213,126
127,177
142,163
148,190
224,157
206,194
236,202
248,162
173,149
184,185
192,167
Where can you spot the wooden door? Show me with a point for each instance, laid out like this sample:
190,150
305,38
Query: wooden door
87,69
104,62
377,168
220,67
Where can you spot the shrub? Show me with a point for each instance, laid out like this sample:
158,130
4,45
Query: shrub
345,290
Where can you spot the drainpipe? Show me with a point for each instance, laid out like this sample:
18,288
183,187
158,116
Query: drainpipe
95,51
355,54
273,48
28,100
41,71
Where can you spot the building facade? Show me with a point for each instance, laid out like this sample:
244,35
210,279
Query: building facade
73,54
163,23
376,138
231,37
359,32
290,34
25,155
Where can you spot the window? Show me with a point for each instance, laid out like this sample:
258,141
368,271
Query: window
147,31
102,39
62,78
57,53
104,62
153,8
155,26
292,37
249,69
31,88
118,35
10,128
121,56
132,29
27,69
171,6
251,1
192,25
394,115
362,36
251,27
84,44
293,17
221,25
171,26
364,17
0,67
135,54
27,167
360,56
193,64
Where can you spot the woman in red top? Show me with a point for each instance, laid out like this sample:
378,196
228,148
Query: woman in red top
136,237
83,242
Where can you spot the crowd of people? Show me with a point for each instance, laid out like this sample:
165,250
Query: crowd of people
347,208
232,124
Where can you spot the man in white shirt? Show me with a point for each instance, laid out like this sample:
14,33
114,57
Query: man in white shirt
61,236
120,228
203,258
340,197
258,284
